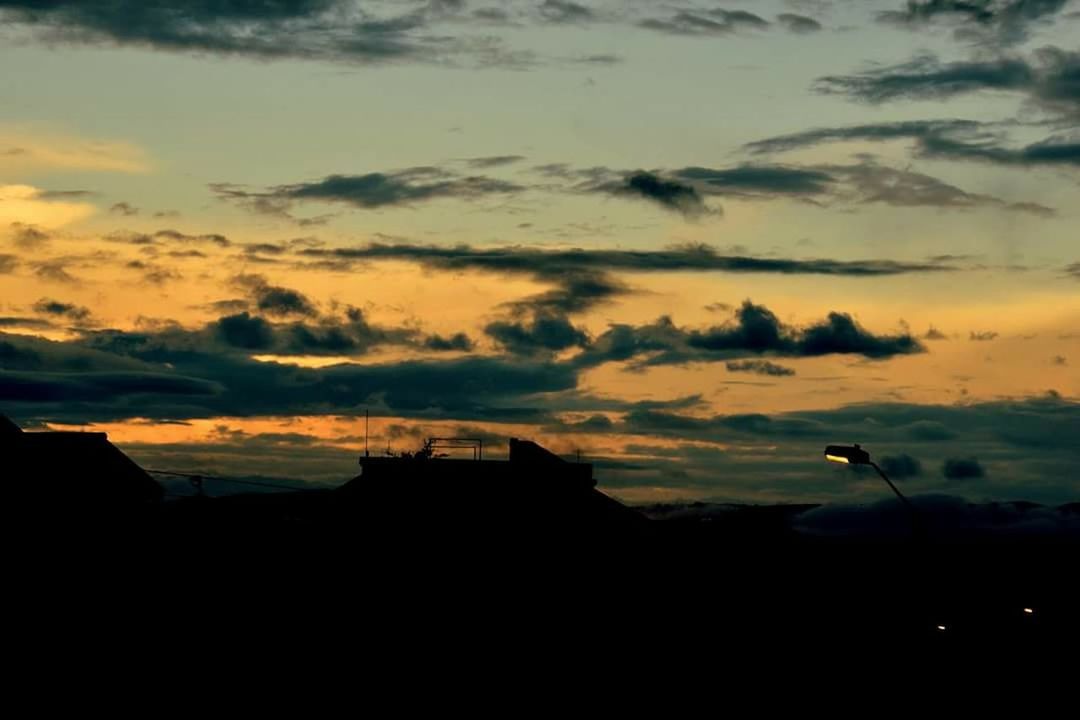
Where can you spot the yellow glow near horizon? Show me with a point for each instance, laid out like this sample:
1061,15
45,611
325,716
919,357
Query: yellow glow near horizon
34,150
25,204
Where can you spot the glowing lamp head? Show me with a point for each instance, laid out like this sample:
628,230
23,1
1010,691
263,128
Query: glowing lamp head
847,454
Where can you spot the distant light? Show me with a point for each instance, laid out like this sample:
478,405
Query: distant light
837,459
941,628
1029,611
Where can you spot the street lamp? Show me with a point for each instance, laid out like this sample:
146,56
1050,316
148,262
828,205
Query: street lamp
855,455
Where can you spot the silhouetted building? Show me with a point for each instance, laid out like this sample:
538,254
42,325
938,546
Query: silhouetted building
533,493
70,469
528,464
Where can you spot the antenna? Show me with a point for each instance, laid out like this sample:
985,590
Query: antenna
366,419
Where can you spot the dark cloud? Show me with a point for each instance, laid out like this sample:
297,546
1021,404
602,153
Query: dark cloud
456,342
1072,270
564,11
24,322
66,194
28,237
759,367
206,383
494,161
124,208
1059,360
864,182
962,469
543,333
868,183
983,336
798,24
55,271
76,313
899,467
759,180
176,236
1047,80
926,77
155,275
934,334
8,263
911,129
706,22
1053,151
668,194
327,30
549,265
370,191
583,278
754,330
19,387
1007,21
576,291
274,300
937,139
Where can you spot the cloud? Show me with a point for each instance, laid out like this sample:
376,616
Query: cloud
493,161
23,322
1073,270
32,207
274,300
456,342
754,330
543,333
325,30
206,382
706,22
583,278
8,263
867,181
564,11
55,271
983,336
749,180
1006,21
928,431
937,139
668,194
28,237
36,387
1047,80
899,467
962,469
124,208
370,191
548,264
76,313
176,236
759,367
798,24
934,334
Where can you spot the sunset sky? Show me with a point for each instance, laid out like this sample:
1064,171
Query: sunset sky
695,242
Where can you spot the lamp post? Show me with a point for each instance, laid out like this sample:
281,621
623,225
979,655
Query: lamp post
855,455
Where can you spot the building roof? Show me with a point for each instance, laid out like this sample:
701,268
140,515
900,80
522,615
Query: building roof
69,467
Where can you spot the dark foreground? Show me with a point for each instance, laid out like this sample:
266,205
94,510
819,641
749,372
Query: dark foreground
512,572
